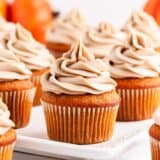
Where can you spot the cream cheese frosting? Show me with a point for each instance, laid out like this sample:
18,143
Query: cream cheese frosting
102,39
136,61
11,68
5,29
5,122
67,29
33,54
138,40
77,73
146,24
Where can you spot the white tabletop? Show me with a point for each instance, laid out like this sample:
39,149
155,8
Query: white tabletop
138,152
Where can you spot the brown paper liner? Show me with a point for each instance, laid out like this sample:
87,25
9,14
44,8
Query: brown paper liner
19,104
36,81
155,148
138,104
79,125
6,152
36,78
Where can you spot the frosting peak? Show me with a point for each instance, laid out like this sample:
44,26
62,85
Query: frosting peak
68,29
107,28
33,54
78,72
79,53
76,18
138,40
145,24
102,39
5,122
141,17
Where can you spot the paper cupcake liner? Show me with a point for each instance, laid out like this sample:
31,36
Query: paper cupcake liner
155,148
19,104
6,152
79,125
37,84
138,104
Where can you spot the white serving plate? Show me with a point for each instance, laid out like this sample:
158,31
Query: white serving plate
33,139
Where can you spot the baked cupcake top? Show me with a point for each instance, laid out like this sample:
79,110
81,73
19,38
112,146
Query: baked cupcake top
135,61
102,39
11,68
77,73
143,22
67,29
5,122
33,54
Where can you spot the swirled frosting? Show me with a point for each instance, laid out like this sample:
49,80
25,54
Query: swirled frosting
138,40
106,28
144,23
67,29
5,122
33,54
5,29
135,61
11,68
102,39
77,73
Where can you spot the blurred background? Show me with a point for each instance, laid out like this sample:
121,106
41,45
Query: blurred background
37,15
114,11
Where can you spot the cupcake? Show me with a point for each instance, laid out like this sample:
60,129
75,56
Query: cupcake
65,31
16,88
136,70
33,54
79,98
144,23
7,134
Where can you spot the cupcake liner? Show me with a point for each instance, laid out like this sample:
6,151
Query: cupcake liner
155,148
19,104
36,81
6,152
138,104
79,125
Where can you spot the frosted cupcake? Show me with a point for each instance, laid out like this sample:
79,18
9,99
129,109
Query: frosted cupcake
7,134
16,88
79,88
136,70
144,23
65,31
33,54
102,39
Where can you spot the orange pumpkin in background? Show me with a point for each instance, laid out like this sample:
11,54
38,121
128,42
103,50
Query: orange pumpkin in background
153,8
34,15
3,8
